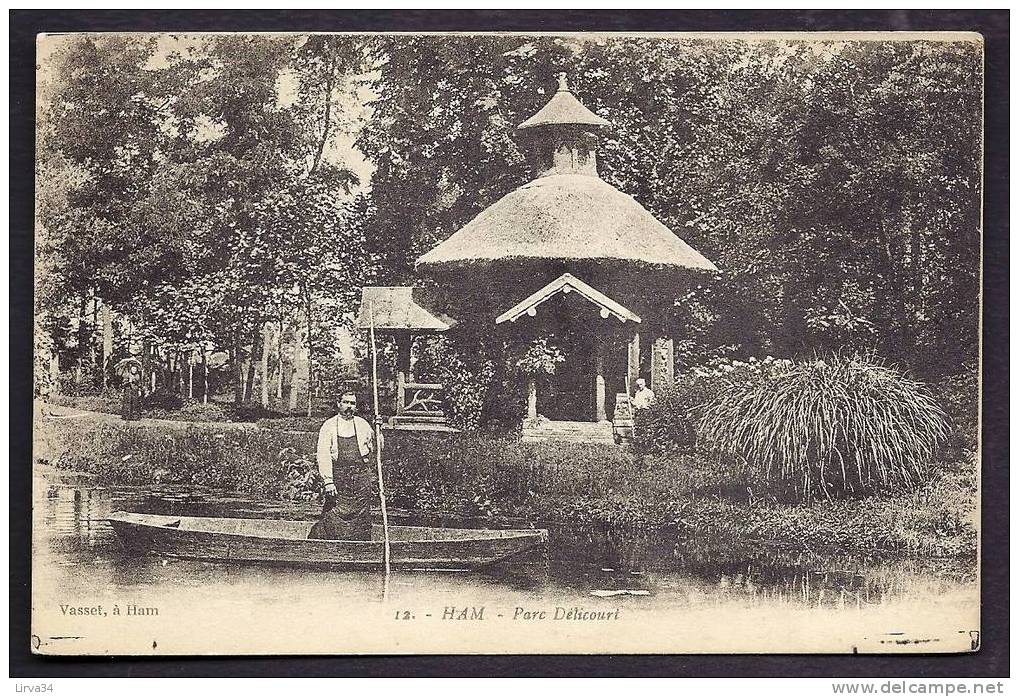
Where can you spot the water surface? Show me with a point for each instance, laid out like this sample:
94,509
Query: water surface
661,600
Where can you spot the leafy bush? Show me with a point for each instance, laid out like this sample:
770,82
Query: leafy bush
540,358
479,474
83,384
960,396
302,481
200,411
506,402
587,495
841,426
309,424
109,402
466,375
668,425
251,411
163,399
262,463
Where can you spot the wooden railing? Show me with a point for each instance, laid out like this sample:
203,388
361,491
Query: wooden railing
418,398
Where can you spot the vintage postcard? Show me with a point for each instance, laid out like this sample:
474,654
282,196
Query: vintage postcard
507,343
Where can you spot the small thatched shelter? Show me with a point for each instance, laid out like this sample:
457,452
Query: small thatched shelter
569,256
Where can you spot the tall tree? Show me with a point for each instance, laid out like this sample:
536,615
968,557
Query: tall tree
840,205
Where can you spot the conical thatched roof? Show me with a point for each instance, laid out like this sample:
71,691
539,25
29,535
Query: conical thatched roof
567,213
564,110
567,216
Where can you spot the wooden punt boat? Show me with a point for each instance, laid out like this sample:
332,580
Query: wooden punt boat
285,542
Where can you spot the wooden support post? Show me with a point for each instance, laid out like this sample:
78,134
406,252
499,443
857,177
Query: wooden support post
662,365
633,360
404,342
532,398
401,395
599,378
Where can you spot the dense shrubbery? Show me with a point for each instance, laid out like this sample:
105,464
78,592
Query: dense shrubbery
162,400
260,462
585,494
82,384
669,424
465,374
194,410
108,402
959,394
839,426
251,411
478,474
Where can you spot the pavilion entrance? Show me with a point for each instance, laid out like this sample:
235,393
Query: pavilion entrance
569,394
599,342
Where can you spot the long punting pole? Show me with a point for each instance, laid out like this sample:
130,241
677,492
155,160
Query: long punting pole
378,449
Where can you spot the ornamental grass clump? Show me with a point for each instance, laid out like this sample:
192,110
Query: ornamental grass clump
841,426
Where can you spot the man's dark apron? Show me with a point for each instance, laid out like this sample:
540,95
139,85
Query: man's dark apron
348,515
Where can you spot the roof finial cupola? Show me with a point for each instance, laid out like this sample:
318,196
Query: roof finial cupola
564,135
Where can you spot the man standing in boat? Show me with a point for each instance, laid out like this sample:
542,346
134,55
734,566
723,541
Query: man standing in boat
346,444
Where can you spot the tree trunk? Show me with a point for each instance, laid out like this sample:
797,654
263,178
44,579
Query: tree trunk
205,375
311,354
54,370
170,374
146,364
249,383
238,369
180,373
327,116
279,365
107,344
191,374
94,349
532,398
264,368
83,342
152,374
295,366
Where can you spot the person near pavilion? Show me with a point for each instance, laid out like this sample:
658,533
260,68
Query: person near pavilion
131,394
345,455
644,397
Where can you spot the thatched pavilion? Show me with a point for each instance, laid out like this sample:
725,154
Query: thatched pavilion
570,257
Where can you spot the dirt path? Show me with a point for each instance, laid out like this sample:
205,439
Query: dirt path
54,412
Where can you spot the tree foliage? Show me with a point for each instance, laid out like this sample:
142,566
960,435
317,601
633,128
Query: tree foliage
835,183
191,184
200,185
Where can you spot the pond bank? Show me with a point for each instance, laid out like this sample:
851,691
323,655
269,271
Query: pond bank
589,496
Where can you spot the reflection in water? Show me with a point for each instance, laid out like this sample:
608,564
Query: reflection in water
74,540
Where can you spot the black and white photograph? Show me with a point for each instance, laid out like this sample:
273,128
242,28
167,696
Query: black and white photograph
507,343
